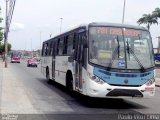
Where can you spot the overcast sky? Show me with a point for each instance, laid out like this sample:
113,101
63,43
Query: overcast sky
34,17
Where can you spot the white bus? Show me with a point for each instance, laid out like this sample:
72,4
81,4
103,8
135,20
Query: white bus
101,60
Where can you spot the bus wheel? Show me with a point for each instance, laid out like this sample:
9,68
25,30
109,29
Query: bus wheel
69,81
47,76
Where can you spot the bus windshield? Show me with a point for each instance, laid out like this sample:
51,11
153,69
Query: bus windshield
15,55
121,48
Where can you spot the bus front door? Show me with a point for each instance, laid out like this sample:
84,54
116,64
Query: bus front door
78,63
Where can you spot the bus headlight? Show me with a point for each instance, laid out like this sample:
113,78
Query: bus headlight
150,82
96,79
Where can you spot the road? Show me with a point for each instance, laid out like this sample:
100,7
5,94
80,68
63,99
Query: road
53,100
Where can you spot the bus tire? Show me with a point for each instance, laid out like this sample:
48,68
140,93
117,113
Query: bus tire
47,76
69,82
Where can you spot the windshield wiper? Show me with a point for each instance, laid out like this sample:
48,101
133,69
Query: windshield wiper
116,51
118,46
129,50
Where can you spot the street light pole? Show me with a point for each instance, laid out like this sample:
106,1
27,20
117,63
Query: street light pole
123,11
61,24
6,35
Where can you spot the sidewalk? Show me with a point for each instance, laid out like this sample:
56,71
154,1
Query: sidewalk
13,94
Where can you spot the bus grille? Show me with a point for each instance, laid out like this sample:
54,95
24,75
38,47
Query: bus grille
125,92
126,85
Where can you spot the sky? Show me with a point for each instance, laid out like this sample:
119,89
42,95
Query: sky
34,21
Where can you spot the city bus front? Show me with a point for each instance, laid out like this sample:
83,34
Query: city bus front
15,58
121,62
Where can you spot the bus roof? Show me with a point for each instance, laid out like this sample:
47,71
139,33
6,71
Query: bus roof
100,24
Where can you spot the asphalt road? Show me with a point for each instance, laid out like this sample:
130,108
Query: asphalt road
52,100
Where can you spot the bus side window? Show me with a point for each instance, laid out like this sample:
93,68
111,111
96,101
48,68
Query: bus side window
65,45
51,48
60,46
42,50
74,40
70,44
75,45
46,49
55,44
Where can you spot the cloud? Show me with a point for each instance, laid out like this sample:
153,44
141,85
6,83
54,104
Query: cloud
17,27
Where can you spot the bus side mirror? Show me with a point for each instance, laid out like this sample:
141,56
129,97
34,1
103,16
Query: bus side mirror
70,59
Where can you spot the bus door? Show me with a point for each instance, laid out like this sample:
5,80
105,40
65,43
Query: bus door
53,59
79,59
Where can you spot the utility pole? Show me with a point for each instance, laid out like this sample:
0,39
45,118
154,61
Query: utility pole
123,11
6,35
9,14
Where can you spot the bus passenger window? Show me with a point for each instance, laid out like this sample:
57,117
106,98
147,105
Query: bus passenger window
46,49
51,48
60,47
65,45
70,45
42,50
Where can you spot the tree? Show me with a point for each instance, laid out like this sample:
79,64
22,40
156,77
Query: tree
2,48
148,19
156,13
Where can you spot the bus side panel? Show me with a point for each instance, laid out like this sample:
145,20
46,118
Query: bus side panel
46,62
49,64
43,66
61,67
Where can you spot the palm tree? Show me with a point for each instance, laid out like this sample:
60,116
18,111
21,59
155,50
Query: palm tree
148,19
156,13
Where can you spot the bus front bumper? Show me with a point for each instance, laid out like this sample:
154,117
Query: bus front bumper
105,90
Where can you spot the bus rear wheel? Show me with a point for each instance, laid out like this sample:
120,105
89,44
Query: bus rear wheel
69,83
47,76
